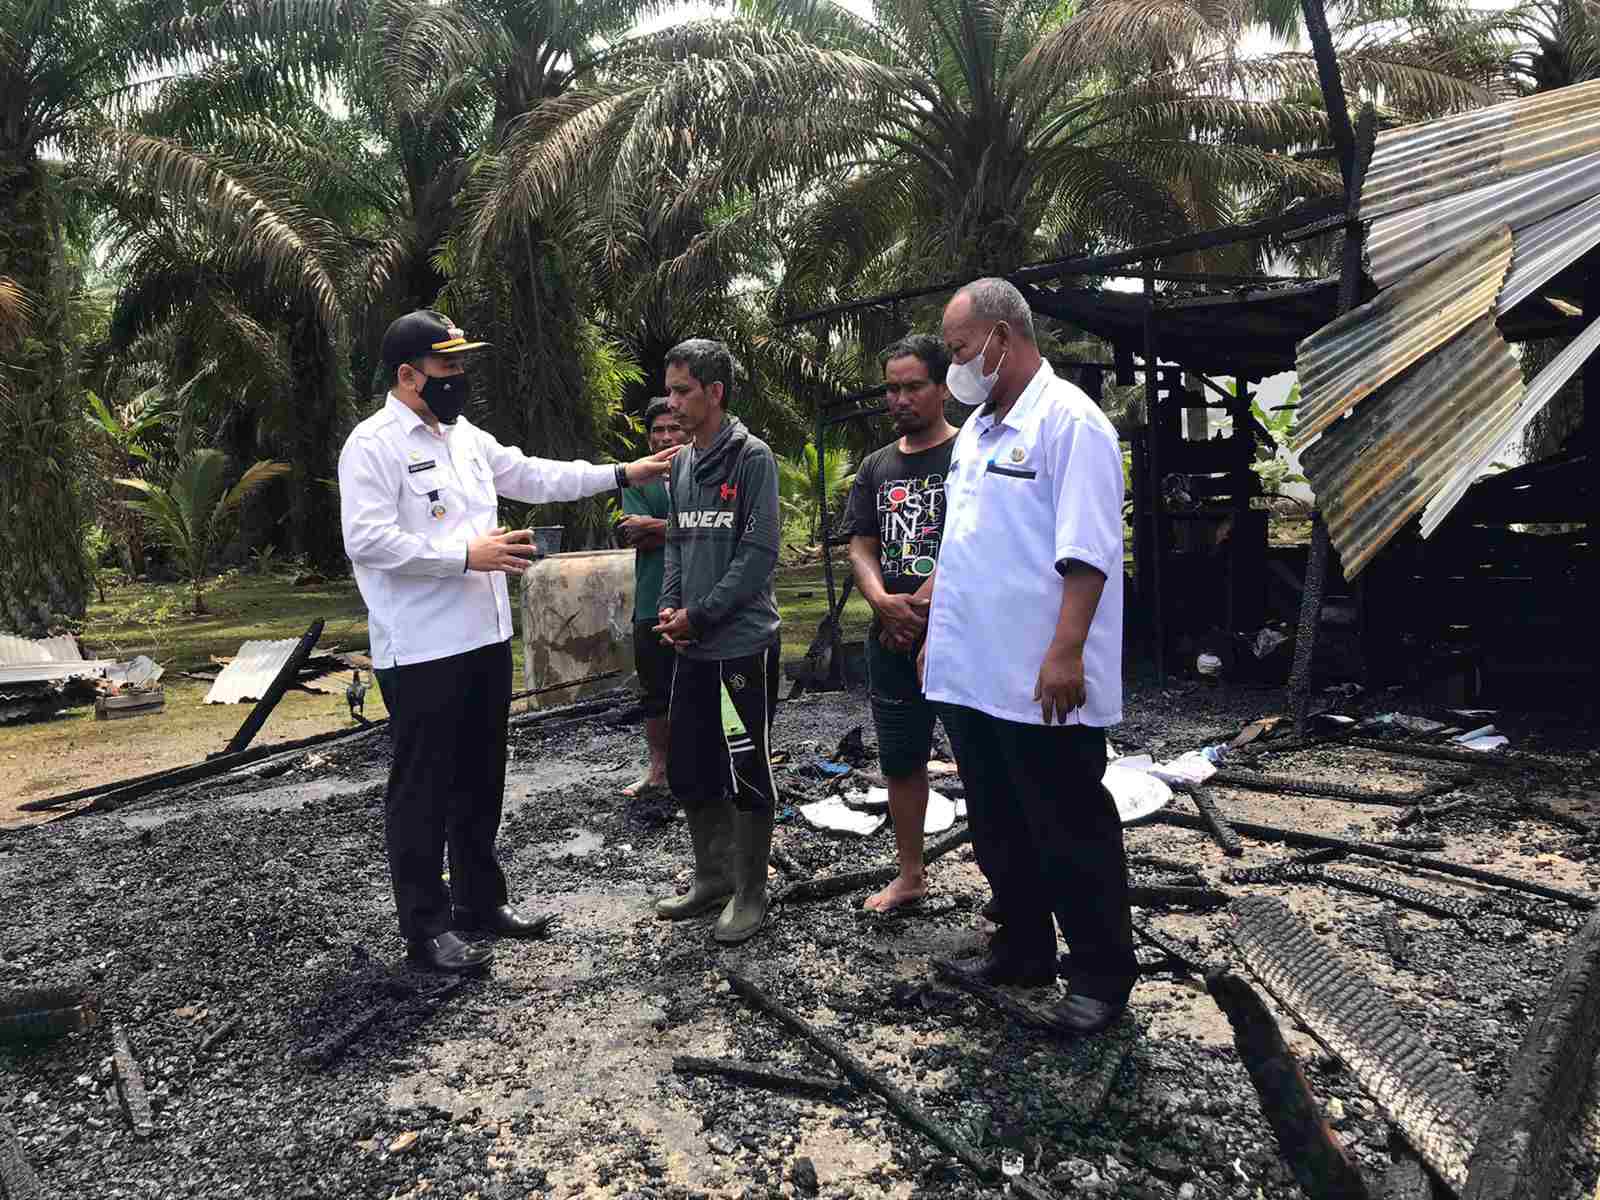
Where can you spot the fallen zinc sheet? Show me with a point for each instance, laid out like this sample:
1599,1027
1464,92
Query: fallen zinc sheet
1406,400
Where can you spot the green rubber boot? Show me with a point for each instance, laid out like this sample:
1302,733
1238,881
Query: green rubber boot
711,829
747,910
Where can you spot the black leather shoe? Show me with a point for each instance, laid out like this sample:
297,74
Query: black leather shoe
448,953
1007,972
1086,1016
502,921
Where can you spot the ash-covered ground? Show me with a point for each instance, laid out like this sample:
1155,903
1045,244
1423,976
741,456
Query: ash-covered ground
261,908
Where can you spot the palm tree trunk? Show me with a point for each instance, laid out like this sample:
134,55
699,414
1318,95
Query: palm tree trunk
313,505
43,512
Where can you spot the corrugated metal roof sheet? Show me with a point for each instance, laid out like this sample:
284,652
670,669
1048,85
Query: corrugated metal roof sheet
1372,474
251,672
1402,242
1539,393
1421,164
1468,216
1352,357
14,650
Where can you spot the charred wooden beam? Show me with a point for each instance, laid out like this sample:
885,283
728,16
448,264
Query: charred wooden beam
1399,858
907,1109
1177,954
1156,896
275,690
1417,1088
1394,938
1305,1141
1409,897
1216,824
131,1093
1504,759
1429,812
838,885
1410,843
17,1178
1161,863
1292,866
1295,786
764,1077
1519,1148
216,1036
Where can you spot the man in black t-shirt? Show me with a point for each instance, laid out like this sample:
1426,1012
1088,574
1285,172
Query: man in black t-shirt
895,519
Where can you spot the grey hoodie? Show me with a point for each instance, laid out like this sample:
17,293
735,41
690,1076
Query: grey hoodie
722,544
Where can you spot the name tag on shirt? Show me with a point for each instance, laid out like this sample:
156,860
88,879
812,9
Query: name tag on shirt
413,468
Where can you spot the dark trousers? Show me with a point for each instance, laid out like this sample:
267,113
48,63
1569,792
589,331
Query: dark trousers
1049,840
447,721
715,747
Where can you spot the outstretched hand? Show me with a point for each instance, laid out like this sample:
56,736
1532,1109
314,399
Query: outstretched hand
651,466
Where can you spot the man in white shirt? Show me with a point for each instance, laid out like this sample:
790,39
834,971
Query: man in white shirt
1024,653
419,489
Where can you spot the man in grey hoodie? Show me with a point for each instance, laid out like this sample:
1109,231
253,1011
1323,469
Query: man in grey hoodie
718,612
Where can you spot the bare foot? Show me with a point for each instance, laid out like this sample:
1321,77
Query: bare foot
900,892
642,785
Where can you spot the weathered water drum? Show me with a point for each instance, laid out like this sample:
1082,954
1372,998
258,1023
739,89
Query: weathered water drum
577,621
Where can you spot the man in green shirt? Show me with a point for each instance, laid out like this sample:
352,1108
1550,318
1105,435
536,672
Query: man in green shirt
644,527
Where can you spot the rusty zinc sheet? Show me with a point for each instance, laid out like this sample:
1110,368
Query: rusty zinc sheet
1375,472
251,672
1421,164
1349,359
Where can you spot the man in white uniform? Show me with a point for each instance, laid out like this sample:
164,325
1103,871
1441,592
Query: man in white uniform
1024,653
419,489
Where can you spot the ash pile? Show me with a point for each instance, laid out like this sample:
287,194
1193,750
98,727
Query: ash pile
1368,965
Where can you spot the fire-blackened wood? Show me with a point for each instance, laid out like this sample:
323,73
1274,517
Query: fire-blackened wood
1401,858
1295,786
1519,1149
759,1076
907,1109
1154,896
1216,824
1308,1145
838,885
131,1091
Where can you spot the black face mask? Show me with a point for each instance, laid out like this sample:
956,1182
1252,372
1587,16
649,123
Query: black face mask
446,395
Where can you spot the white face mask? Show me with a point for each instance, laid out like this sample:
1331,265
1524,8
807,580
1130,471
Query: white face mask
967,382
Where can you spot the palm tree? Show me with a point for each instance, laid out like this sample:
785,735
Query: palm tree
70,69
193,511
946,137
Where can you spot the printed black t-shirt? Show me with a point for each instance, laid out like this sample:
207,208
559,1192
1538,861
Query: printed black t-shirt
899,498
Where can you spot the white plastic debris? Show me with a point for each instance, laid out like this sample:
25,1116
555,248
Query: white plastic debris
1191,768
1208,664
832,813
1138,794
942,811
1484,738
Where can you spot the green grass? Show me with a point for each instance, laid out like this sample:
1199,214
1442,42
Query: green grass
74,750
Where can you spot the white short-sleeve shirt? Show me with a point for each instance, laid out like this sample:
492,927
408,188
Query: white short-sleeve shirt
1024,496
410,500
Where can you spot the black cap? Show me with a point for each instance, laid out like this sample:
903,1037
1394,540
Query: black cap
421,333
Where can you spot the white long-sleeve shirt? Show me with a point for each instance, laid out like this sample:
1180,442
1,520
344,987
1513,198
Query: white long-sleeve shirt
1024,497
410,500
